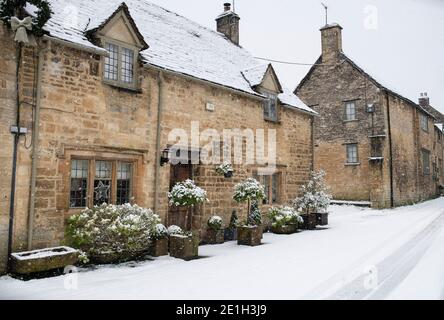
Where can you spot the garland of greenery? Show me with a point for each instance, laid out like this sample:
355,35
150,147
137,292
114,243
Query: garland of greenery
9,8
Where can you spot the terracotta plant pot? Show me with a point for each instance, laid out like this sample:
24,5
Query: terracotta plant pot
159,247
322,218
310,221
184,247
230,234
249,236
286,229
215,236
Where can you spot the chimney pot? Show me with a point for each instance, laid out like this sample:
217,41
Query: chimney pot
227,6
228,24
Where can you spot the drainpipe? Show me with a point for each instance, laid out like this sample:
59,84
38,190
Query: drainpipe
158,138
14,157
35,147
392,202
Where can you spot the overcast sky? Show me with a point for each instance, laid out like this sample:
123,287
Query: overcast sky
399,42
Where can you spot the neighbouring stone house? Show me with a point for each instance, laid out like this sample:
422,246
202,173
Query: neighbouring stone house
374,144
100,96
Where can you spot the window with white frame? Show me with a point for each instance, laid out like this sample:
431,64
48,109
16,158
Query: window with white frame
352,153
350,111
119,67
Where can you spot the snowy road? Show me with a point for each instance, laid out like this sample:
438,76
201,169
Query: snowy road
364,254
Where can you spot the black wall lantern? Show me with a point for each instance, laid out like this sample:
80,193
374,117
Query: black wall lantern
165,157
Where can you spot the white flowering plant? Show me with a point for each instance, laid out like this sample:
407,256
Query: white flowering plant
215,223
111,230
175,230
284,216
224,169
159,232
249,190
187,194
315,194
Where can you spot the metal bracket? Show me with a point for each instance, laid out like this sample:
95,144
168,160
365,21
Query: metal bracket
17,130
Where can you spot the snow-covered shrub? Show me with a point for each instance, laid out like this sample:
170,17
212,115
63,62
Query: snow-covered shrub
248,190
283,216
111,230
186,194
175,230
215,223
159,232
224,169
315,194
255,215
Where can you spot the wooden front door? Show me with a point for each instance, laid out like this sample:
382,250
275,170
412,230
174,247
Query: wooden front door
180,216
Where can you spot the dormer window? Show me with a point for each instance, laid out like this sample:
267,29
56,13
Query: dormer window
270,107
119,67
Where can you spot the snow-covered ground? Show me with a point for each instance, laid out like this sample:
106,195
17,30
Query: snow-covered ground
363,254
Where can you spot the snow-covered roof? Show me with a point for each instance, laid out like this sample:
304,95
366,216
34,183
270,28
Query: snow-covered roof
288,98
175,42
440,126
256,75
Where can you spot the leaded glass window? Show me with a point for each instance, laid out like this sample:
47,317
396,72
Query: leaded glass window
79,184
352,153
127,65
124,176
112,62
102,182
350,111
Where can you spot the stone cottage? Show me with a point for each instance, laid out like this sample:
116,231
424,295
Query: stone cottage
97,102
374,144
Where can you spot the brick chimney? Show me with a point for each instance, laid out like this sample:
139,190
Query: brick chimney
424,100
228,24
331,36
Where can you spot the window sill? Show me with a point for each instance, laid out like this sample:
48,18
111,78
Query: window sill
350,121
353,164
273,121
123,87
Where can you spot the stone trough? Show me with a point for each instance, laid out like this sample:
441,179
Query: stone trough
35,261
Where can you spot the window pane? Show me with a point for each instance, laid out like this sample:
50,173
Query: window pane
350,111
79,184
426,162
127,65
111,62
267,189
275,189
102,182
352,153
123,182
270,106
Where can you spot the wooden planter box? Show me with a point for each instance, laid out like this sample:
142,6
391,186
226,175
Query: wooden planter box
184,247
215,237
43,260
249,236
159,247
310,221
230,234
322,218
287,229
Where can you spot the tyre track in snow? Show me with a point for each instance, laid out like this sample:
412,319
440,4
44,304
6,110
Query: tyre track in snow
393,269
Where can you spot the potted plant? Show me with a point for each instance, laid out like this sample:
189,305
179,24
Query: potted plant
250,190
225,169
231,231
215,231
314,201
284,220
183,245
159,239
